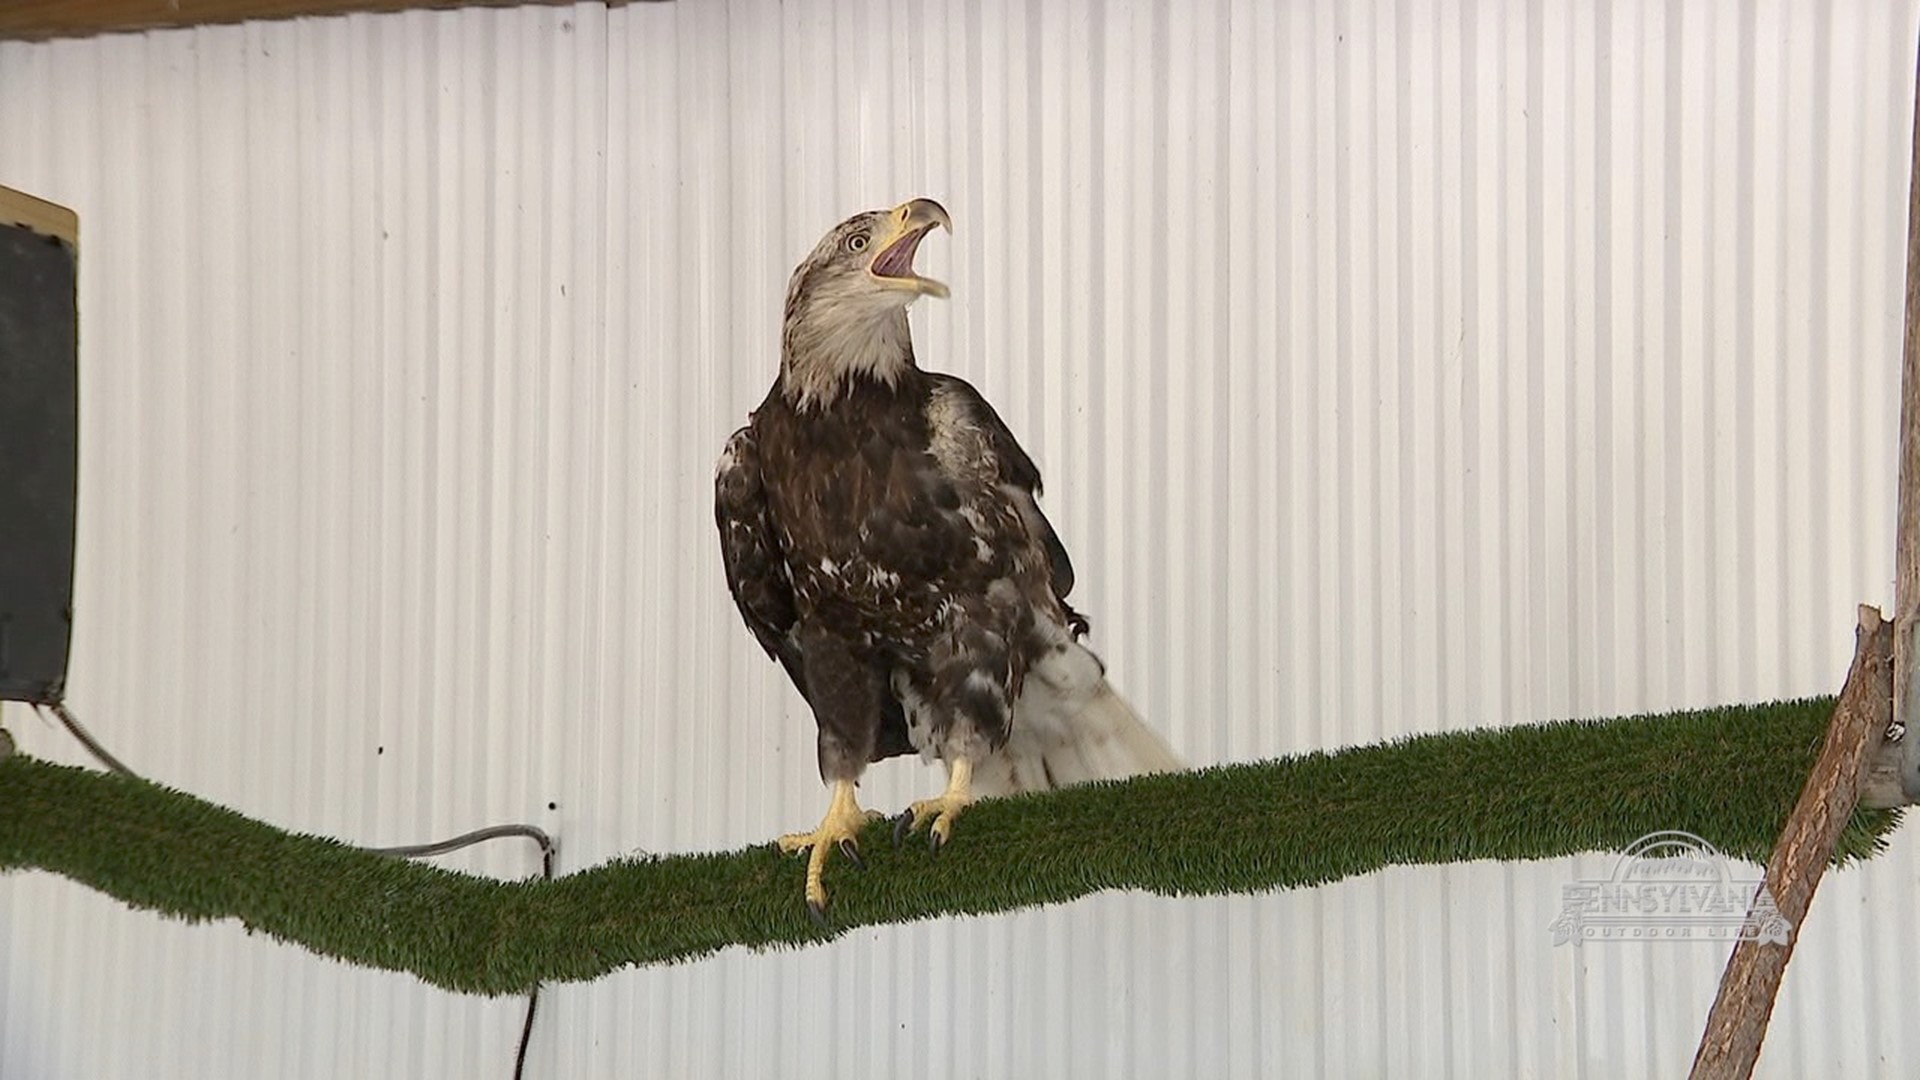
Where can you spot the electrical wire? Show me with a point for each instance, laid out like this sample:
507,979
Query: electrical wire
86,739
406,851
491,832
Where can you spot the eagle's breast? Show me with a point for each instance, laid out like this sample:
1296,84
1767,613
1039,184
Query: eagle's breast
889,512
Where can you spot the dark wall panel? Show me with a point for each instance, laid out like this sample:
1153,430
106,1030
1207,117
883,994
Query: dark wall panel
39,408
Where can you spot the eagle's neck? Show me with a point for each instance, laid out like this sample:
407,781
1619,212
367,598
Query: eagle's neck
822,357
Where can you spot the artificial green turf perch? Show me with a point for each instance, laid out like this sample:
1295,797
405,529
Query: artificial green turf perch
1729,775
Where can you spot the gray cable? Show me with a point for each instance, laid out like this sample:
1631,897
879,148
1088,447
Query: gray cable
406,851
99,752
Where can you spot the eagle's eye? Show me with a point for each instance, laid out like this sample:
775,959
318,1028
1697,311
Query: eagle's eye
857,243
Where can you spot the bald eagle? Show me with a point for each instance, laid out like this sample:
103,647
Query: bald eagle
883,540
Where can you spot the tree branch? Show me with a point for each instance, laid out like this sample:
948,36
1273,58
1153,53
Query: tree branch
1906,546
1738,1023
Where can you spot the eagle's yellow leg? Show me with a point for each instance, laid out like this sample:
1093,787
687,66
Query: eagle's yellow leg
940,811
840,828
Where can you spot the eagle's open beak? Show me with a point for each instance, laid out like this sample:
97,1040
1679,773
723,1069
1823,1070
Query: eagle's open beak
908,224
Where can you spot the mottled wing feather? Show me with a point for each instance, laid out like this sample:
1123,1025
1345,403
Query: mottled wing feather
1016,467
1021,478
758,577
750,549
1058,563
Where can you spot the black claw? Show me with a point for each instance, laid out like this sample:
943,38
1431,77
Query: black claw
852,851
818,913
900,826
934,843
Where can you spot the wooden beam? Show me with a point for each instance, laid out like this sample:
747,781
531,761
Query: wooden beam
34,20
1906,586
1738,1023
43,217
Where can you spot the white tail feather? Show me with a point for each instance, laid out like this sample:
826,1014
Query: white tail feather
1070,727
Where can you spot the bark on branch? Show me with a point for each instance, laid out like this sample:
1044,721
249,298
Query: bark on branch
1906,541
1738,1024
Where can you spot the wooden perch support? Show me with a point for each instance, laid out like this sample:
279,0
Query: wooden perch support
1731,1044
1906,556
39,19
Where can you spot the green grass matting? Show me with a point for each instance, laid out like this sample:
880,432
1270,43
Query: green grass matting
1729,775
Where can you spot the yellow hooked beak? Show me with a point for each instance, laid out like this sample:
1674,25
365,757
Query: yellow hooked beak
906,225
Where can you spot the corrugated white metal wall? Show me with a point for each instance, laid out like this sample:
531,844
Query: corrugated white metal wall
1395,366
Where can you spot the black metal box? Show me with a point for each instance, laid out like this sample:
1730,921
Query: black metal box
39,450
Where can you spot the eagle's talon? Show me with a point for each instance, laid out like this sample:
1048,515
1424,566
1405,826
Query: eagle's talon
817,911
901,826
938,814
942,830
1077,624
839,829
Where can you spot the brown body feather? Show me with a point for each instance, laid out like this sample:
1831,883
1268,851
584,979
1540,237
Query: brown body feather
889,537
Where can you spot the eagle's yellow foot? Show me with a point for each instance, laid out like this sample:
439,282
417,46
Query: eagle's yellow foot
940,811
840,828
